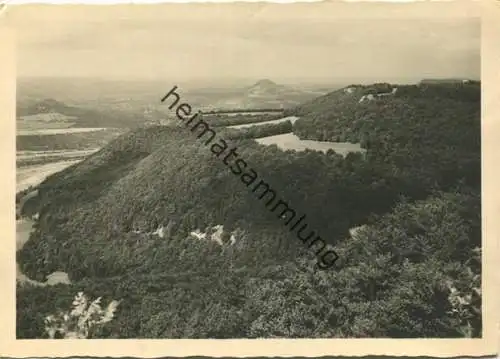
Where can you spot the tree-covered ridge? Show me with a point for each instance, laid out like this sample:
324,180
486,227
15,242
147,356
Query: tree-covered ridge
411,270
220,120
259,131
431,132
388,286
162,176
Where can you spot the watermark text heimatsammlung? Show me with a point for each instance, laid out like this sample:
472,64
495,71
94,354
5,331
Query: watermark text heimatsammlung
248,176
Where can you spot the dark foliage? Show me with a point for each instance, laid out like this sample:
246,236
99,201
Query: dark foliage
416,191
258,131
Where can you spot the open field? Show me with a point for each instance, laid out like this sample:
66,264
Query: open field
22,155
289,141
57,131
31,158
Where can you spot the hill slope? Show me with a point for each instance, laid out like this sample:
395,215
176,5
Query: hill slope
99,219
434,128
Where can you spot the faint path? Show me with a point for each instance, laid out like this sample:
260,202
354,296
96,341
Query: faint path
292,119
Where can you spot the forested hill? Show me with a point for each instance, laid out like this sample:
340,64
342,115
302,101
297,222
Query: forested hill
416,191
163,176
431,127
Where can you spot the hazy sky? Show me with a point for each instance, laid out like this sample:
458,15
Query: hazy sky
280,42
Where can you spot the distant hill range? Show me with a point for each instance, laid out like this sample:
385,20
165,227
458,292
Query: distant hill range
264,94
265,88
446,81
82,116
130,111
48,105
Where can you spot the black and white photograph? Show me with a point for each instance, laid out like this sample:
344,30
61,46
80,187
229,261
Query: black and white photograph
237,171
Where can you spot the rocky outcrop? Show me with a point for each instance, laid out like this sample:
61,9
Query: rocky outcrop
216,234
160,232
372,97
57,278
355,231
197,234
393,92
366,98
52,279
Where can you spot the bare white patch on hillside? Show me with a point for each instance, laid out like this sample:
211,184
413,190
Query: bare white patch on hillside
372,97
215,234
355,231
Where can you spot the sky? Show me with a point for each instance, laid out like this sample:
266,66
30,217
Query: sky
292,42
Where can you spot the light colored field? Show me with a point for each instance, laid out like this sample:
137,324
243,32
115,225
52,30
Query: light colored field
289,141
27,155
44,121
292,119
56,131
33,175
